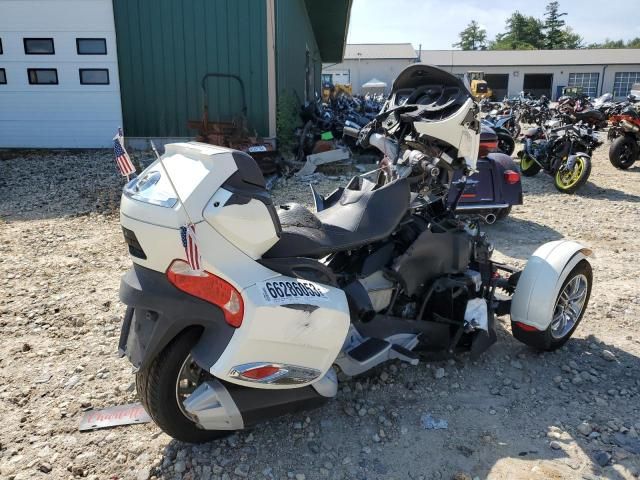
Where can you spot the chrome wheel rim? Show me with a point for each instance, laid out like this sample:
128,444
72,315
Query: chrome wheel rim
189,378
569,306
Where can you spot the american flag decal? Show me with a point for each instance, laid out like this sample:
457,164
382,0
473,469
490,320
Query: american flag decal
190,244
122,157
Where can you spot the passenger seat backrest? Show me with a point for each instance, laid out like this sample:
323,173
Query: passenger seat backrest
370,210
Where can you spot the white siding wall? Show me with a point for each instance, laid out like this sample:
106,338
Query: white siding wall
361,71
560,74
68,114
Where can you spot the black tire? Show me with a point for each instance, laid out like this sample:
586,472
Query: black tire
502,213
545,340
623,152
506,143
156,387
528,167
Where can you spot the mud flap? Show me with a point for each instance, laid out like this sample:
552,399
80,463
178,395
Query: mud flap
484,338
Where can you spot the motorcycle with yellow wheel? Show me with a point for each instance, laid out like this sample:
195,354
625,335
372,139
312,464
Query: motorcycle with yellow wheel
563,152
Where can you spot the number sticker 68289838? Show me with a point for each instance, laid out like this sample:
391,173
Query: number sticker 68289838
292,291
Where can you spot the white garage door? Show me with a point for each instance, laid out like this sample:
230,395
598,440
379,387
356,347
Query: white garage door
60,69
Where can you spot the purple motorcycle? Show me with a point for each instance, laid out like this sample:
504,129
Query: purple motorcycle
495,187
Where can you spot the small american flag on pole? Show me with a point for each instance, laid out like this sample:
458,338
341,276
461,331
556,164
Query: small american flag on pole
122,157
190,244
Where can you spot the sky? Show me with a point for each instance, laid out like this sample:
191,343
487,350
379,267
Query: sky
436,23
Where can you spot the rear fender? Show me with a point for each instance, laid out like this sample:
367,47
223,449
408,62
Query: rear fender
539,284
504,192
158,312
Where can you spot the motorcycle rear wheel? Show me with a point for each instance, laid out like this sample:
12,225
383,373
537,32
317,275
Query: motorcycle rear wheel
161,388
623,152
570,181
528,167
503,212
506,143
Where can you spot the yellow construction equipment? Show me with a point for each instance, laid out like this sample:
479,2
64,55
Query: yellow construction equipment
478,85
330,90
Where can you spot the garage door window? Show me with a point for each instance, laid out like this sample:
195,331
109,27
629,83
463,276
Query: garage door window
3,77
588,82
39,46
43,76
91,46
623,81
94,76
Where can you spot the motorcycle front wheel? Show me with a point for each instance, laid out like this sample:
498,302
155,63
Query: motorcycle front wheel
167,382
568,181
528,167
623,152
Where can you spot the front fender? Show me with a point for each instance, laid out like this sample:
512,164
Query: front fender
539,284
572,159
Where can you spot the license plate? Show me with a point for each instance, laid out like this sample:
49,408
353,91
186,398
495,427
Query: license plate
257,148
293,291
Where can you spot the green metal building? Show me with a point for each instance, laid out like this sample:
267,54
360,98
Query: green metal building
165,47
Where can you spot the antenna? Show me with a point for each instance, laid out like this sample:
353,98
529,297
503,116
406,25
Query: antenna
173,187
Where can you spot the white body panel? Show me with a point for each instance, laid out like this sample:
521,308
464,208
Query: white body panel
68,114
287,334
162,245
197,171
539,284
249,227
299,329
451,131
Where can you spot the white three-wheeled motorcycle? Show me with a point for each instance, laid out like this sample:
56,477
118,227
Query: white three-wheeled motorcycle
239,311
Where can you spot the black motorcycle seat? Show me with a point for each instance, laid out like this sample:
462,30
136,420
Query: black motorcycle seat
360,217
590,113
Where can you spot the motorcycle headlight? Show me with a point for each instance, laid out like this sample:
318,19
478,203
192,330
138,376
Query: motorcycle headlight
151,187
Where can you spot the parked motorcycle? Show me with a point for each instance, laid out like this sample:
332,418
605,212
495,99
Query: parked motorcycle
580,109
506,143
494,187
563,152
255,321
625,130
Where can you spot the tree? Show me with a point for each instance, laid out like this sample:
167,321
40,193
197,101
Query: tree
634,43
472,38
571,39
523,33
555,33
608,43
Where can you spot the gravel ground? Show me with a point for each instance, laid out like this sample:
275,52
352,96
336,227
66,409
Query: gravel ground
514,414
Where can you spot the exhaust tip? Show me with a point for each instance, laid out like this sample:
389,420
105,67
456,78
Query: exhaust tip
490,218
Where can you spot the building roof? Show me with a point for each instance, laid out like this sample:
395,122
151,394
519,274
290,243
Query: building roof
371,51
330,22
462,58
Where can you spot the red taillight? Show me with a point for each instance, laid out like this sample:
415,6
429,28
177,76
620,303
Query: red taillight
525,327
487,147
259,373
511,177
209,288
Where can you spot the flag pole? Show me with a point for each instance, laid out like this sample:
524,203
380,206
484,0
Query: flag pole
173,187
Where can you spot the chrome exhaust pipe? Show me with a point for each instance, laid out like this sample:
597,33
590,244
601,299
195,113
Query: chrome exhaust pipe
350,131
490,218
